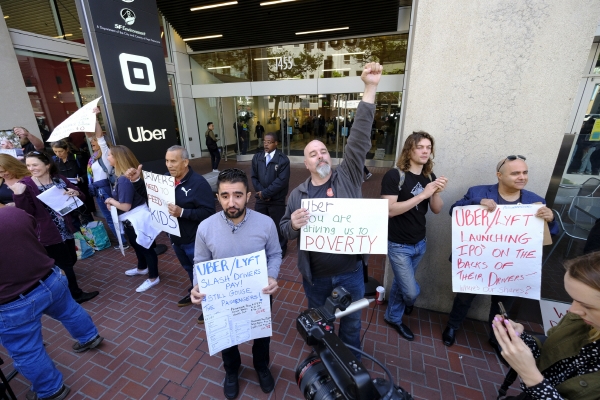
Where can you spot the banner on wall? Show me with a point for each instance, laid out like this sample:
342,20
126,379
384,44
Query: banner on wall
124,45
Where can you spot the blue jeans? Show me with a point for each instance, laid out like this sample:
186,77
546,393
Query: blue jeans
101,195
185,255
320,290
21,330
404,259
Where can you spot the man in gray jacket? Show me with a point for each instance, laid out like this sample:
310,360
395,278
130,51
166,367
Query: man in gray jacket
322,272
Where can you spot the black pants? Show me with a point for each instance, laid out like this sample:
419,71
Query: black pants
462,303
276,212
215,158
147,258
65,257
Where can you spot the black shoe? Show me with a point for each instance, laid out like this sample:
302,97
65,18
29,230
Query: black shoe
83,297
402,329
498,351
266,381
408,310
61,394
78,348
449,336
231,387
201,318
186,301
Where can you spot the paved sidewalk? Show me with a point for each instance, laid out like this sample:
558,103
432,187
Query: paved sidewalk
155,350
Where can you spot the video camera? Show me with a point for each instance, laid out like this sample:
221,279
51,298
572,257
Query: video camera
335,373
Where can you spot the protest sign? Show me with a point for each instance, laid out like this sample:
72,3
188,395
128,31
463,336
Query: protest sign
345,226
82,120
552,312
115,218
161,193
58,200
235,308
497,253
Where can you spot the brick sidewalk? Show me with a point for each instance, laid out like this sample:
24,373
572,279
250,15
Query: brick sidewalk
155,350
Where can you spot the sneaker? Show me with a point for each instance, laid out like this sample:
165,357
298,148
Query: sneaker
216,170
78,348
61,394
135,271
201,318
186,301
368,176
125,247
147,285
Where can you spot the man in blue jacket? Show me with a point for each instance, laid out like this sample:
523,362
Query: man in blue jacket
271,181
512,176
194,202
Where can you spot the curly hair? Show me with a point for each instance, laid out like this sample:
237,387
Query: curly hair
411,143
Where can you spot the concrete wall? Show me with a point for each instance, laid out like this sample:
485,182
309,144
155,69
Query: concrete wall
15,108
488,79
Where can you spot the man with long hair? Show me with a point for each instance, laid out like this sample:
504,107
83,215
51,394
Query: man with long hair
411,189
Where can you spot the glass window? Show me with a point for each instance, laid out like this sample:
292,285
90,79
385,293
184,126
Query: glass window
30,15
84,81
163,38
221,67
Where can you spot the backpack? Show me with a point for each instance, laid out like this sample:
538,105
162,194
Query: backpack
403,177
112,178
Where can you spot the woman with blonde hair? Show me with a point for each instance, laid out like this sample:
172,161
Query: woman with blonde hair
567,363
135,215
11,171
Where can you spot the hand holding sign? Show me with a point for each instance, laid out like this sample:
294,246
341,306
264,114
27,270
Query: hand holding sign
161,193
82,120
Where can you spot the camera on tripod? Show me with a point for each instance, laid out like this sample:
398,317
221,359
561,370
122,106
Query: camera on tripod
335,372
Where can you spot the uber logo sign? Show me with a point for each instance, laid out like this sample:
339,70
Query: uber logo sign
144,135
137,71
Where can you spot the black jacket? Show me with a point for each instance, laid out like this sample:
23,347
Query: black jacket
272,180
195,196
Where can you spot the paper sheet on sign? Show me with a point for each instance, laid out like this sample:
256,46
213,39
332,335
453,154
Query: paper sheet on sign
497,253
82,120
161,193
552,312
235,309
59,201
115,218
345,226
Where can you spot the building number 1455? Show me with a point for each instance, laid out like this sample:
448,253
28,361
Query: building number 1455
284,62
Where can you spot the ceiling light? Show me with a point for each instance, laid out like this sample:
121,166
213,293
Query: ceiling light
202,37
337,69
162,34
6,16
229,3
89,75
346,54
323,30
228,66
63,36
268,3
266,58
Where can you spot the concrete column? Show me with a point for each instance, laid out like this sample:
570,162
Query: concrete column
489,79
15,107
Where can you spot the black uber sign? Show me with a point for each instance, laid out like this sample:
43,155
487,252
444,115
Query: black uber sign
124,45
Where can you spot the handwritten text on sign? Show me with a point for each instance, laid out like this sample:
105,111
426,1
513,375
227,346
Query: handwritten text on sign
345,226
161,193
235,308
82,120
499,252
552,313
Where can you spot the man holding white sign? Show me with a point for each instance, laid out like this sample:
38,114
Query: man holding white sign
512,174
322,272
238,231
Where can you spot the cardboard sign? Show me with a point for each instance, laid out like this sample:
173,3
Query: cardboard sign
497,253
552,312
345,226
235,308
82,120
161,193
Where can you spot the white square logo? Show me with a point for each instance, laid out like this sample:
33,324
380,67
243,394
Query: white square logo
142,70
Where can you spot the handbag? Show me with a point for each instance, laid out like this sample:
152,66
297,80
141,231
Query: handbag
95,235
82,248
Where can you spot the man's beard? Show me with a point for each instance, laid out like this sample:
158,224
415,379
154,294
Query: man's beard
323,170
23,140
236,214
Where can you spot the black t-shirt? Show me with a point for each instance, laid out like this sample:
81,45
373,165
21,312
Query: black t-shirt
409,227
28,147
124,192
323,265
6,195
502,201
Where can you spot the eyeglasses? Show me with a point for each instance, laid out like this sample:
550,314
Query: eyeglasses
37,153
510,158
231,173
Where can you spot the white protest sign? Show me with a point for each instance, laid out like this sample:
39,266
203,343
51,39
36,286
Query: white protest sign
497,253
115,218
82,120
58,200
161,193
235,309
345,226
552,312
